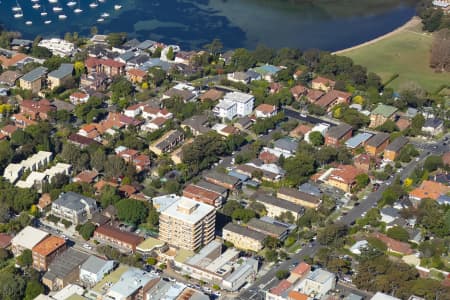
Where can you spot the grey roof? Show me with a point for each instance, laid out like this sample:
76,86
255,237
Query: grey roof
139,59
358,139
390,211
146,44
397,144
378,139
65,263
63,71
222,177
197,123
245,231
287,144
155,62
127,56
299,195
339,131
434,123
35,74
132,280
171,138
253,74
94,264
73,201
352,296
211,187
241,177
266,227
271,200
310,189
133,43
21,42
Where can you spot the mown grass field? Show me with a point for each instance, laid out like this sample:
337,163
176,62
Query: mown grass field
406,53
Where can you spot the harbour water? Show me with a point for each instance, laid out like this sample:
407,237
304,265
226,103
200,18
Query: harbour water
324,24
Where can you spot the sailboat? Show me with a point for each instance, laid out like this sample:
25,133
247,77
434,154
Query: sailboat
28,23
53,1
117,7
44,12
18,15
57,9
17,7
47,22
78,10
71,3
62,17
36,6
93,4
105,15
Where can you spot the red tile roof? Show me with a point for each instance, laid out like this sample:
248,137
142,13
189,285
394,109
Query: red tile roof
49,245
266,108
5,240
119,235
137,73
394,245
281,287
301,269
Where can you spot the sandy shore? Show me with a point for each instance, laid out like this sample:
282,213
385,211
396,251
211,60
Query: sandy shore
411,23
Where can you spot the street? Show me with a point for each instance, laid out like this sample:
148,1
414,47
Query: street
267,281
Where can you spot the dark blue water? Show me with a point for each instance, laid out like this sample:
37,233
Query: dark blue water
324,24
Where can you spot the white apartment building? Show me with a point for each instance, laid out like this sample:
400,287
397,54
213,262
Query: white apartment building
322,128
235,104
58,47
36,179
39,160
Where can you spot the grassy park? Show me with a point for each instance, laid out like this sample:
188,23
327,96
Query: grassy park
404,52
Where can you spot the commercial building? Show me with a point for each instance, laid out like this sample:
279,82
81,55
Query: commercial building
94,269
60,76
167,142
117,238
338,134
74,207
243,238
34,80
275,207
381,114
298,197
187,224
46,250
64,269
376,144
26,239
393,149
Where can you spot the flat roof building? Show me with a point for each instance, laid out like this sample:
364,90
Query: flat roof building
27,238
74,207
44,252
243,238
187,224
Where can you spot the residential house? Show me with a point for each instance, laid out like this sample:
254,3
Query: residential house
212,95
9,78
26,239
136,75
393,149
383,296
358,140
275,87
78,98
86,176
314,95
403,123
8,130
337,135
197,124
342,177
36,110
81,141
223,180
267,72
299,197
64,269
11,59
394,245
167,142
108,67
363,162
429,189
322,128
60,76
243,238
286,146
182,91
149,112
266,111
242,77
300,131
34,80
433,126
46,250
94,81
299,91
5,240
381,114
74,207
332,98
376,144
323,84
276,231
389,214
117,238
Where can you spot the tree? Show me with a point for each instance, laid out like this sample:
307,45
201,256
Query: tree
432,163
282,274
243,214
230,206
316,138
116,39
12,286
214,47
440,51
271,255
132,211
86,230
152,261
331,233
362,180
34,288
398,233
25,259
242,59
271,242
170,54
98,159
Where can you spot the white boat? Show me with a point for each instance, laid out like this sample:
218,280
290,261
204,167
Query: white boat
57,9
28,23
36,6
53,1
102,1
46,22
62,17
18,15
44,13
34,1
71,3
100,20
93,4
17,7
117,7
78,10
105,15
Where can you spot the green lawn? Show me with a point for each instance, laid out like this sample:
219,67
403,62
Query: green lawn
405,53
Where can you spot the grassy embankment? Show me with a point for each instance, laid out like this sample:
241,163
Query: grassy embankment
405,52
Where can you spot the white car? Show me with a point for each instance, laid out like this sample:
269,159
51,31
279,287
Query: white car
87,246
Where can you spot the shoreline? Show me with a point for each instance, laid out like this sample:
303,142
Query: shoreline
412,22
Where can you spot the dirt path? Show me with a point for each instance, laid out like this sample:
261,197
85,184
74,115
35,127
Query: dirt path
411,23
